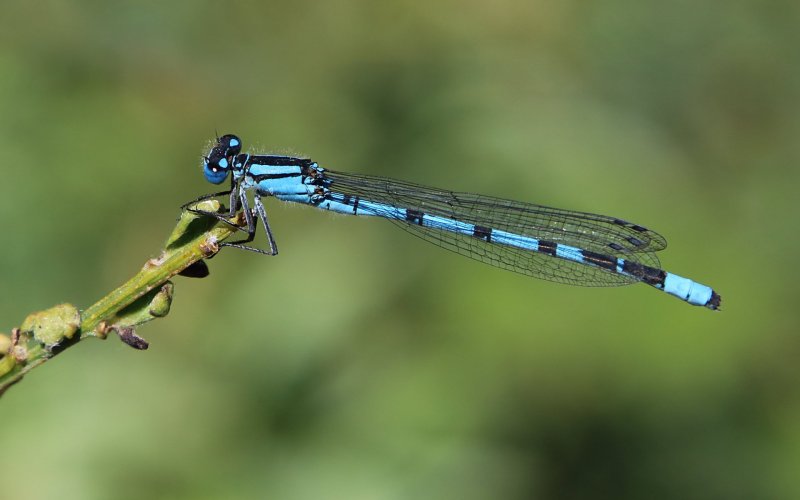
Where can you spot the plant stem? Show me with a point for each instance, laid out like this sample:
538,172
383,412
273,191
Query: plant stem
144,297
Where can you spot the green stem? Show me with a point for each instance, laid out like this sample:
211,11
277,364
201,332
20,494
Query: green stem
144,297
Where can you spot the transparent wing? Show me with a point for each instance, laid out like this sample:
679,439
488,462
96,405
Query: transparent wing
598,233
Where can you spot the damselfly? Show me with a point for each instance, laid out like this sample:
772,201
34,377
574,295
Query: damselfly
565,246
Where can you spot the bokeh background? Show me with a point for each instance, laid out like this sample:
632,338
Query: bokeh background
362,363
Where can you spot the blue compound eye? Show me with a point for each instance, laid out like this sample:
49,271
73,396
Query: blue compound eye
230,144
216,166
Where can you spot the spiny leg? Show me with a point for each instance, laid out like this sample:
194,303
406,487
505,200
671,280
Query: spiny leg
262,216
231,192
234,206
186,205
249,216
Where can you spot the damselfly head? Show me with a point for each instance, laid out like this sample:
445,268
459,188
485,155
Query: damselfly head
220,159
216,165
230,144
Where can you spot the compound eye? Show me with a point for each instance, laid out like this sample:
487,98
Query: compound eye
230,145
216,166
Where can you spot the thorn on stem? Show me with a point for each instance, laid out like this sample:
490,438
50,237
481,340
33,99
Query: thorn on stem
127,334
210,247
198,269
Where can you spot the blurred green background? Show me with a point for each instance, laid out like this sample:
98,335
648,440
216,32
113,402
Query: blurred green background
362,363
